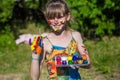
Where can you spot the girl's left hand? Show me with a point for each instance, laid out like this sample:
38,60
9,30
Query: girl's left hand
74,67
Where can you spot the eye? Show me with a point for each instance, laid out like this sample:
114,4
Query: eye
50,17
60,17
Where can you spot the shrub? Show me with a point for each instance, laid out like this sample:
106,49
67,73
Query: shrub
7,41
94,16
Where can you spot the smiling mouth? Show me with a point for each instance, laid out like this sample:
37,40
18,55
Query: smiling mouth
56,28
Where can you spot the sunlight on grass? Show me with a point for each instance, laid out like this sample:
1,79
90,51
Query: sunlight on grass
104,55
104,58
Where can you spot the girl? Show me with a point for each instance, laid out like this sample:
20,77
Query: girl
60,41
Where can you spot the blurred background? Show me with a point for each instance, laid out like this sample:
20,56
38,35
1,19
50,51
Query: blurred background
97,20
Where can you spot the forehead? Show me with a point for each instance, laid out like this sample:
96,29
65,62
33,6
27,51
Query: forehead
55,11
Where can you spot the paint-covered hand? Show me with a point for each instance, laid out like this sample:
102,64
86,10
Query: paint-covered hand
36,44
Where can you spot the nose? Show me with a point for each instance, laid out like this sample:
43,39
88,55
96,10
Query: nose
56,20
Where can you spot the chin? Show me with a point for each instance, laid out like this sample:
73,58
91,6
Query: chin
58,32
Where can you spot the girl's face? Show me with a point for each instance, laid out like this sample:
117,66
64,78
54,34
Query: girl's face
57,23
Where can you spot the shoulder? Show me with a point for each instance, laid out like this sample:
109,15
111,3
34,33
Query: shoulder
45,38
46,43
77,36
75,32
44,35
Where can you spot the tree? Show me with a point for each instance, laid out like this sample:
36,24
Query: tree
91,16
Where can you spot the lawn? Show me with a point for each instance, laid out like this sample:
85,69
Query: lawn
104,54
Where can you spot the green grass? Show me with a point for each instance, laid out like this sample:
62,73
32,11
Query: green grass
15,61
104,56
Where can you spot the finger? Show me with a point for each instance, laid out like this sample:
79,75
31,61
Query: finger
77,66
73,67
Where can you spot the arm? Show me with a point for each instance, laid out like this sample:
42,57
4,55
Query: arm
34,69
37,59
36,65
81,47
24,38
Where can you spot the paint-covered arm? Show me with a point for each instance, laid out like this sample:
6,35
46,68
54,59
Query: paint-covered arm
27,38
38,55
81,47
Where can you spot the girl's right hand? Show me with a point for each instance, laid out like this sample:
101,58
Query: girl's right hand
24,38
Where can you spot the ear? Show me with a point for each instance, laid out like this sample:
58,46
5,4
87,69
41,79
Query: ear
68,16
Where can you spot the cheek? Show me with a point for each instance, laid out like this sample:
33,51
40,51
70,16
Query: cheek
62,22
50,22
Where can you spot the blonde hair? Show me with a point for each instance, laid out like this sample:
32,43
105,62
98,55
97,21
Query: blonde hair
56,8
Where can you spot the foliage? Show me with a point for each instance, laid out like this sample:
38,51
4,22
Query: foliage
7,40
94,17
32,3
35,3
6,7
91,16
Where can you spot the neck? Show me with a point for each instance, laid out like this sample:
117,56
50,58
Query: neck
62,33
